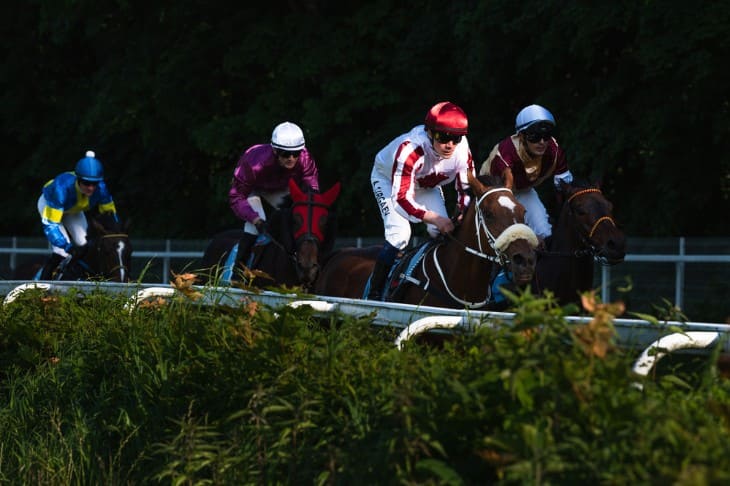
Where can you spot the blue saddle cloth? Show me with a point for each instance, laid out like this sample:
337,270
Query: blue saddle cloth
401,270
230,263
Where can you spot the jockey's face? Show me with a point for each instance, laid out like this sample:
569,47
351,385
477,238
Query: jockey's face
536,138
87,187
288,159
535,148
444,143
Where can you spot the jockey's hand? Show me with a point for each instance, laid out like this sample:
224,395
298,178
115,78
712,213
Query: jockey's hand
261,226
444,225
78,252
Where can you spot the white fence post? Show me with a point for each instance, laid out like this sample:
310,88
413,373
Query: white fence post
679,276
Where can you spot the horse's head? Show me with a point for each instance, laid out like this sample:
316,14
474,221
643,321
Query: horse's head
312,228
501,219
592,219
110,251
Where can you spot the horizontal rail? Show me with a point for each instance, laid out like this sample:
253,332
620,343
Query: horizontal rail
680,259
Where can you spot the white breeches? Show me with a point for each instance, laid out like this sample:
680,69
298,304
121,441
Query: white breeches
536,216
397,226
274,198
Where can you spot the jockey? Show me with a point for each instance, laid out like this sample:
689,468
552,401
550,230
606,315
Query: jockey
526,159
407,177
62,204
264,171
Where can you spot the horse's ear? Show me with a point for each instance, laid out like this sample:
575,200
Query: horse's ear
296,192
331,194
475,183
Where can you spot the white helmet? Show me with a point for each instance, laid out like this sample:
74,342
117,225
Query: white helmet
532,114
287,136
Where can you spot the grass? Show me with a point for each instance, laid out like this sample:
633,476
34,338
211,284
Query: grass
178,393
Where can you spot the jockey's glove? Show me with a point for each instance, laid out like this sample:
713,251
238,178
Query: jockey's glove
262,227
78,252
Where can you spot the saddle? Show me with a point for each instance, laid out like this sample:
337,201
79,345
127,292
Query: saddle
401,270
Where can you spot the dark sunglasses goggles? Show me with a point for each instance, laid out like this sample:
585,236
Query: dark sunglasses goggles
85,182
535,137
443,137
285,154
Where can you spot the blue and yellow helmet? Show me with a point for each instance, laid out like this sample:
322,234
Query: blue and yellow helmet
89,168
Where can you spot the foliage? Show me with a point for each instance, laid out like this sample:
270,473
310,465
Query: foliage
177,392
169,95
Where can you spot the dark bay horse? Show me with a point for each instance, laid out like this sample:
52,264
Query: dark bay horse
455,271
585,232
302,232
108,257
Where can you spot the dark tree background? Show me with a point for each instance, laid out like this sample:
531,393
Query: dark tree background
169,93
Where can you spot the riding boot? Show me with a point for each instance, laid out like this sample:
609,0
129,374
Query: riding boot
245,244
385,260
377,280
50,266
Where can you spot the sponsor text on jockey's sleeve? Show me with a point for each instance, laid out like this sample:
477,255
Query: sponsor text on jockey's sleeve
526,174
411,163
259,170
62,195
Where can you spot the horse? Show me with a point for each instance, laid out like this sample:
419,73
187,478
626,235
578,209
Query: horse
452,271
291,257
108,256
585,231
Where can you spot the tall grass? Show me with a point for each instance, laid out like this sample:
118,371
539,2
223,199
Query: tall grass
186,394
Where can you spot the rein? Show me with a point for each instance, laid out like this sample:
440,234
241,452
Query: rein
497,257
479,222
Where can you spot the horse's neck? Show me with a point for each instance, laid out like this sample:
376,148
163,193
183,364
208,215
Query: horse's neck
565,233
455,254
575,263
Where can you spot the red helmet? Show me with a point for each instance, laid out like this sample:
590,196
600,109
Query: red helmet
447,117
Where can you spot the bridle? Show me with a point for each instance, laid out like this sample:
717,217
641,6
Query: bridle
121,267
307,235
494,245
587,241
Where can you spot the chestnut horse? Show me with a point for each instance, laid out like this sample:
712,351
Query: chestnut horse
454,271
107,258
585,232
302,232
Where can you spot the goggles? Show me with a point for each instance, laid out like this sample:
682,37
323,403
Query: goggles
85,182
535,137
285,154
443,137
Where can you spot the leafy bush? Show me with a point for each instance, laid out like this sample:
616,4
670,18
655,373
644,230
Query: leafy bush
176,392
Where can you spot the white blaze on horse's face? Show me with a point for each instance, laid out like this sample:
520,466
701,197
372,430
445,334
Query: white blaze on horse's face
506,202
